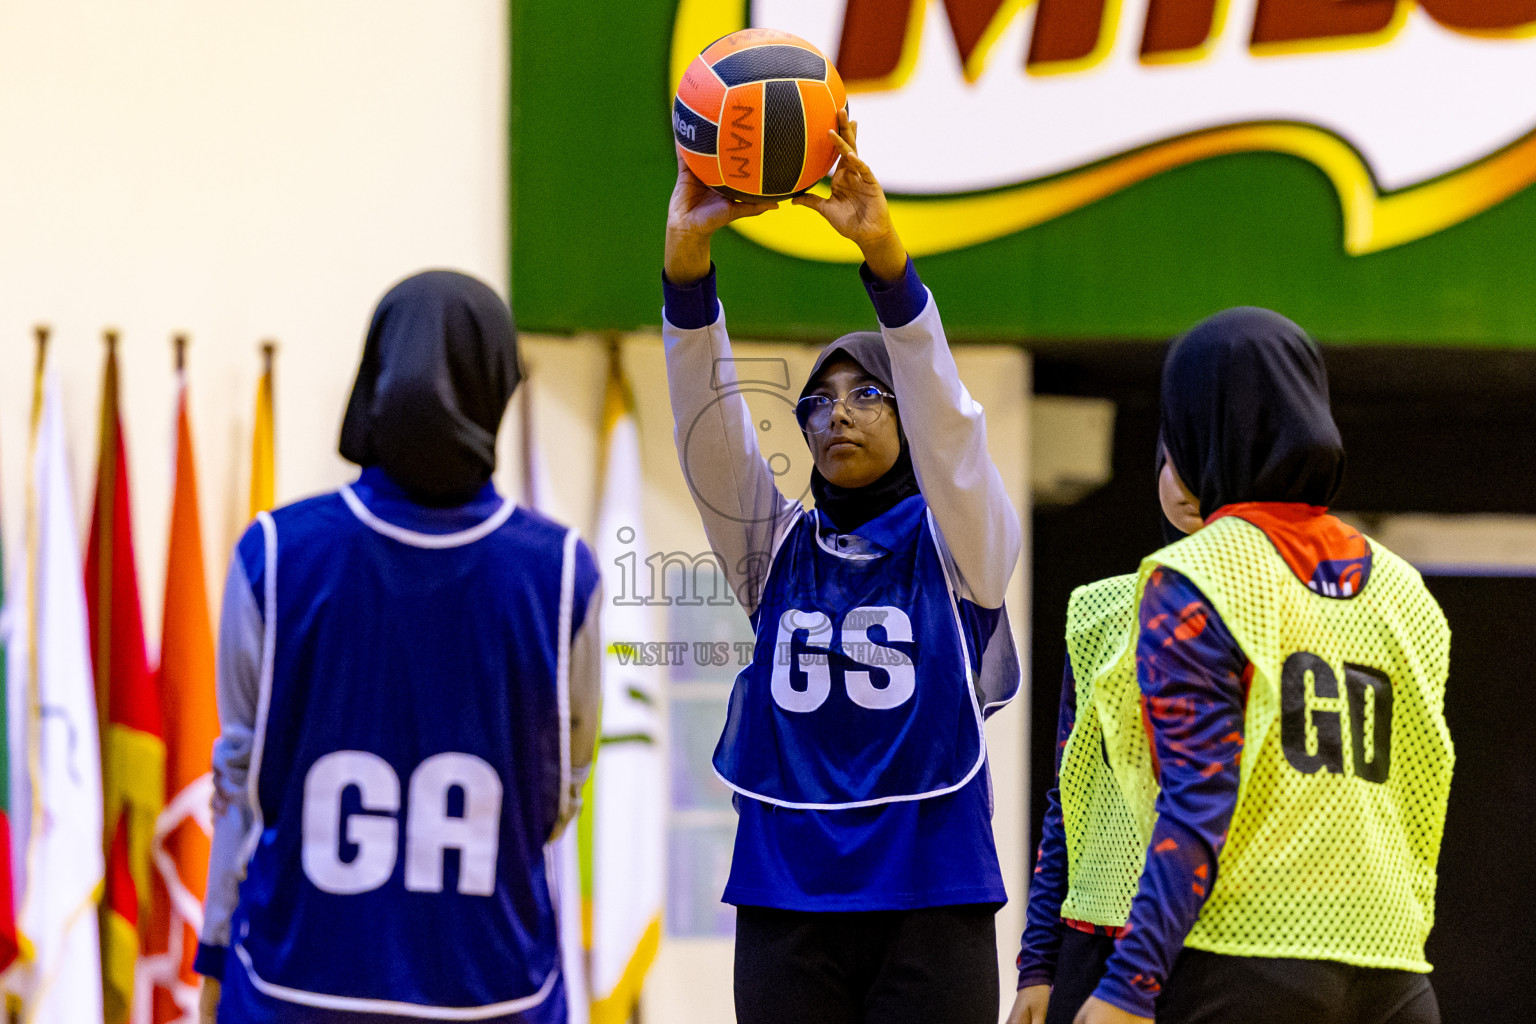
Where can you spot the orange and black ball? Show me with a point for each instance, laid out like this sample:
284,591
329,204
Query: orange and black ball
752,113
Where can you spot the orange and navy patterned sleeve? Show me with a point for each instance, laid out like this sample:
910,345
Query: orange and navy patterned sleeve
1194,684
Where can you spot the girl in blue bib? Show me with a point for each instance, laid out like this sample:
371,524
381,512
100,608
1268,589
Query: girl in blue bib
864,871
408,684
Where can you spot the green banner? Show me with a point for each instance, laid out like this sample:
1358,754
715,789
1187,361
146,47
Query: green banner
1258,169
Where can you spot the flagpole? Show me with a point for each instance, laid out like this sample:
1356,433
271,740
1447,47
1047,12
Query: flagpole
263,441
615,402
34,708
106,507
526,455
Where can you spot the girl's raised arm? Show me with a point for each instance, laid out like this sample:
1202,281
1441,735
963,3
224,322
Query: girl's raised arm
732,486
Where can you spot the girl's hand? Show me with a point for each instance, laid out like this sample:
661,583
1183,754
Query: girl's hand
1030,1004
695,213
1097,1011
857,209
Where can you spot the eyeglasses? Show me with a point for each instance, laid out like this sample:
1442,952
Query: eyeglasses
863,404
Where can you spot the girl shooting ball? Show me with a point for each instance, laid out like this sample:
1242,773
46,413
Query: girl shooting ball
864,872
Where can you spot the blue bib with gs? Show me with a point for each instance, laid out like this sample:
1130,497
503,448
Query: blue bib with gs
860,691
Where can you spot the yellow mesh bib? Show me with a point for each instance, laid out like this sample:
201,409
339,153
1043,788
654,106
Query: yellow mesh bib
1346,764
1106,844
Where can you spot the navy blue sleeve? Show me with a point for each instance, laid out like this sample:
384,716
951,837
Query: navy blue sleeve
1194,681
897,303
209,961
693,306
1048,886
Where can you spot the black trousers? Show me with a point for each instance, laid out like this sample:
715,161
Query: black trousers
1079,966
937,965
1208,988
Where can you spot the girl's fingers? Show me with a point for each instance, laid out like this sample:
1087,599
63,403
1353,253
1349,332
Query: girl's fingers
813,201
849,158
744,209
841,133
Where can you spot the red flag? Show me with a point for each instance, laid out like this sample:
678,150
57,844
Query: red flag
128,706
191,726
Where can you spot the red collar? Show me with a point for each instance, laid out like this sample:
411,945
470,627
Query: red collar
1305,535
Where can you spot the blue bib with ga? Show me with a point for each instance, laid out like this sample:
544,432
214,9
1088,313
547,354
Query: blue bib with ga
860,691
407,770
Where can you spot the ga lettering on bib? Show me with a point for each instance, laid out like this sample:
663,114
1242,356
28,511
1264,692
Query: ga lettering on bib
409,764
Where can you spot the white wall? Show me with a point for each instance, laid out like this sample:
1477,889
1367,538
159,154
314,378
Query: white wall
236,171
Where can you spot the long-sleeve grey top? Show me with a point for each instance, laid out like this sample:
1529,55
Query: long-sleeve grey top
744,512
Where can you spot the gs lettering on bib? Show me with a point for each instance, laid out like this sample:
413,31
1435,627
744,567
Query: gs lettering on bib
860,690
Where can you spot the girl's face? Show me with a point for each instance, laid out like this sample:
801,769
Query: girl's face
1181,507
849,454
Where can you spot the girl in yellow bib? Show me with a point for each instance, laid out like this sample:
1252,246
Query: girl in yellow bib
1092,843
1290,677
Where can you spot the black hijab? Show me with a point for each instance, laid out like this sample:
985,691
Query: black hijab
439,366
851,507
1245,413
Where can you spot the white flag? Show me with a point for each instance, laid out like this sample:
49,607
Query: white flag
55,753
563,857
629,792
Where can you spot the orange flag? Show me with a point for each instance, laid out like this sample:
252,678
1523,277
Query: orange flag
128,707
191,726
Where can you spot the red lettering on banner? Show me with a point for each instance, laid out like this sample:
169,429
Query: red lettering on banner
1066,30
1313,21
875,34
1176,25
1481,15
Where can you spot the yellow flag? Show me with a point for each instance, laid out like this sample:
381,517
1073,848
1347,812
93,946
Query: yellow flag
263,465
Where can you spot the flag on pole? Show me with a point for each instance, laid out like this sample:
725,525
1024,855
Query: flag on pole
565,854
128,708
191,725
263,457
55,779
8,944
625,810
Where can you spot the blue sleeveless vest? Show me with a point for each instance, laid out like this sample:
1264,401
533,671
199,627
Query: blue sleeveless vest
411,753
861,689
